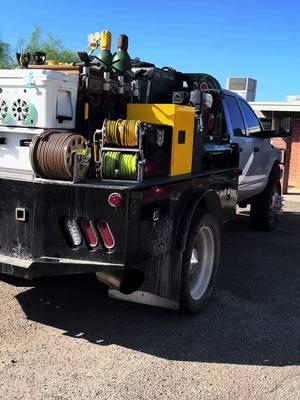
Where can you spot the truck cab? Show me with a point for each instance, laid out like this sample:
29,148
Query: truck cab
257,154
259,161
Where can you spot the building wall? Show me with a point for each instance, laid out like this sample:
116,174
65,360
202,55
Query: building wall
285,145
291,169
294,173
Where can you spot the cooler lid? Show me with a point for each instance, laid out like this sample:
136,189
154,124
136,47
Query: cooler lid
39,74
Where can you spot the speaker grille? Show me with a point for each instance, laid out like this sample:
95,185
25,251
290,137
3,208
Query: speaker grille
3,109
20,110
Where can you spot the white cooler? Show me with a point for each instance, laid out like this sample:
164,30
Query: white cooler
31,101
37,98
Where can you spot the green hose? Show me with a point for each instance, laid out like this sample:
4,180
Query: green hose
124,163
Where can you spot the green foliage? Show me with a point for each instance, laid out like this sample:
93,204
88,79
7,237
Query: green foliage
52,46
6,60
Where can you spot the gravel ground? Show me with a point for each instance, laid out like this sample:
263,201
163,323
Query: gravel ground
64,339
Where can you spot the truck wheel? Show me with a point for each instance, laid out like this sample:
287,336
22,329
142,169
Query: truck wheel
200,262
265,208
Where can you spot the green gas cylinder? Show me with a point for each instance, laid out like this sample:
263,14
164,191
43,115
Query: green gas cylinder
121,60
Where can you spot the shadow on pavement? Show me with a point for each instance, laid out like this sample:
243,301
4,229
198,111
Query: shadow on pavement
254,318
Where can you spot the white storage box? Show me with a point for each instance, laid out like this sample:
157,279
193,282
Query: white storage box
37,98
14,148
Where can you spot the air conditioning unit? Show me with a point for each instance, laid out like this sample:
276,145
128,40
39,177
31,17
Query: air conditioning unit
245,87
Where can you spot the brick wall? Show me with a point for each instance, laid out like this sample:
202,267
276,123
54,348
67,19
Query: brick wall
294,174
285,145
291,169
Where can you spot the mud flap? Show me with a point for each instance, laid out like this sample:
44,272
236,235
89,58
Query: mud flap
162,281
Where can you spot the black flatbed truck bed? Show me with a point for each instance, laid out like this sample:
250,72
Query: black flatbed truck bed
150,228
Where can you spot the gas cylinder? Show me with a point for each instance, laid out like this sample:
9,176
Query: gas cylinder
121,60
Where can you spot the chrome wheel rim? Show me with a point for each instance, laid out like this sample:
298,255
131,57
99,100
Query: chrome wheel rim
201,263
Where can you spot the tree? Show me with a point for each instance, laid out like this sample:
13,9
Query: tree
52,46
6,60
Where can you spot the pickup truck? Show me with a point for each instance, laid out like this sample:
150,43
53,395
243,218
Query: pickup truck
259,182
128,175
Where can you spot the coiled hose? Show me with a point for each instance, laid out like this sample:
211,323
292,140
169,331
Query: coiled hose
117,164
122,132
51,154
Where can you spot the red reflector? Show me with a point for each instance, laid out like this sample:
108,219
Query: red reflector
89,233
107,237
115,200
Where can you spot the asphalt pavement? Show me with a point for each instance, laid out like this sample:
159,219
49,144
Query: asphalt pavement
63,338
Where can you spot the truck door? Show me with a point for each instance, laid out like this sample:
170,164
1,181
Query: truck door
262,149
239,134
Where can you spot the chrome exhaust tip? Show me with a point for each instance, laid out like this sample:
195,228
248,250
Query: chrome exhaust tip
126,282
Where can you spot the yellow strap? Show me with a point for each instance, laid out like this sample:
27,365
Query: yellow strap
86,111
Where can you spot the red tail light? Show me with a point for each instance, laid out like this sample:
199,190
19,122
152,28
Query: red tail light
89,233
115,200
107,237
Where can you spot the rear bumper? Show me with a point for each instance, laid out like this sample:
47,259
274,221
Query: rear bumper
49,266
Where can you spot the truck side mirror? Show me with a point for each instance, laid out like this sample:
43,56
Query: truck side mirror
268,134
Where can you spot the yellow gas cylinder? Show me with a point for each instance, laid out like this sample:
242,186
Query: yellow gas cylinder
105,40
105,53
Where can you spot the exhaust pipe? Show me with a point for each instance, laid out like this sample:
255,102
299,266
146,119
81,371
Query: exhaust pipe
126,282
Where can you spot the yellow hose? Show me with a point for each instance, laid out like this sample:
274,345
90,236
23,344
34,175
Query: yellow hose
123,133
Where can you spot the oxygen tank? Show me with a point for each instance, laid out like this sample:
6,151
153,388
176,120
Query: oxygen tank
121,60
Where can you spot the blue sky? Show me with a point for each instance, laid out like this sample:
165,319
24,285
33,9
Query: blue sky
258,39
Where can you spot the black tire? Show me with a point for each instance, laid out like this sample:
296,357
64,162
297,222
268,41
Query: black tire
263,214
204,232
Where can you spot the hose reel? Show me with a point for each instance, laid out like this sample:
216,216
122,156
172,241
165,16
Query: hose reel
118,164
52,154
132,150
121,151
122,132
